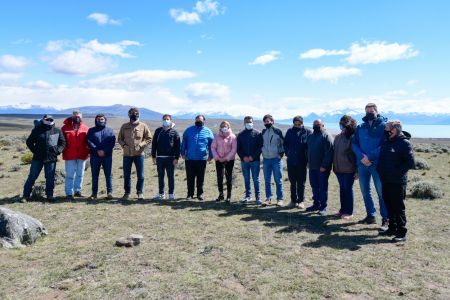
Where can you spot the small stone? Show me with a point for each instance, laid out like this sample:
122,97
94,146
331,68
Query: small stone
124,242
136,238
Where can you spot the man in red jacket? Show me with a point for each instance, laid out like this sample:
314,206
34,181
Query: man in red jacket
75,154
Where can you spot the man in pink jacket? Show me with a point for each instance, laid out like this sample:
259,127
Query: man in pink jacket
224,149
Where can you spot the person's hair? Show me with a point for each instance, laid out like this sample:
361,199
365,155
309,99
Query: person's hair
268,117
349,123
76,112
248,118
100,116
225,123
167,115
368,105
132,110
395,124
198,116
297,119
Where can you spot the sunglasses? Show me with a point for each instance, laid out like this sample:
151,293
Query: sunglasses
49,120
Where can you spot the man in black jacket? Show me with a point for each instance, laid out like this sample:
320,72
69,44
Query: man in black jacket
165,154
396,158
249,147
46,142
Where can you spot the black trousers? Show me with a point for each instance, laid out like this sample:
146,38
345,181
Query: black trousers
225,168
297,178
195,169
394,198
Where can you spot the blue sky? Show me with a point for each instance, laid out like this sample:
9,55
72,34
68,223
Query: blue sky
239,57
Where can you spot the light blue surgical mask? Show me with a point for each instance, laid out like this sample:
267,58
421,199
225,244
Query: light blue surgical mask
166,123
249,126
224,129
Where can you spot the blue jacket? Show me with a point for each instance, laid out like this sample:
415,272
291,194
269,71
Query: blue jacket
368,138
101,138
196,144
249,143
396,158
295,146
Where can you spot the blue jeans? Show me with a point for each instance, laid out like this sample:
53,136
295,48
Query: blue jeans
165,165
96,163
253,168
35,170
273,166
74,175
127,164
346,196
364,183
319,186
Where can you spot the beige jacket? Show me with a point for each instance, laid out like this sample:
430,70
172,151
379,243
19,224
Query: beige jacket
133,138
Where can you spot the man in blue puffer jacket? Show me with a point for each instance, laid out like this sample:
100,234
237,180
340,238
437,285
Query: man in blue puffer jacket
196,149
366,144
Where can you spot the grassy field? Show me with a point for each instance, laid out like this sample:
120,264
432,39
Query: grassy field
213,250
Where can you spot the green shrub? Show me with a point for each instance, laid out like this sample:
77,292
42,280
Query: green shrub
27,158
38,192
421,164
426,190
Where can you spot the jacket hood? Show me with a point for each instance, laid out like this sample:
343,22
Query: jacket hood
379,119
404,135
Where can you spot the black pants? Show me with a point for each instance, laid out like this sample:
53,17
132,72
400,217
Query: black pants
394,196
195,169
165,165
227,169
297,178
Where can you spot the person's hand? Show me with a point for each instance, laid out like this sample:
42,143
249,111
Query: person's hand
250,158
246,159
154,160
322,169
365,160
175,162
100,153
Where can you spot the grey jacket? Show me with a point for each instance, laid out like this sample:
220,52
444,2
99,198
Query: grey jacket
272,143
320,150
344,159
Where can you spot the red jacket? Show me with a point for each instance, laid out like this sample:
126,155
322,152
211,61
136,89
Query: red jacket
76,144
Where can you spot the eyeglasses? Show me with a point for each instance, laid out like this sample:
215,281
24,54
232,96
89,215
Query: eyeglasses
49,120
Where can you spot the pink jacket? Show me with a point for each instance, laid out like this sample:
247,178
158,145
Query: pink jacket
224,146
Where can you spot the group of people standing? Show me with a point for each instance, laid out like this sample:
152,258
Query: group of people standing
375,149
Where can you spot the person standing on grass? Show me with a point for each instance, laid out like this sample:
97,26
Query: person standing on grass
366,144
249,145
196,149
134,137
272,151
224,149
101,140
396,158
46,142
75,154
165,154
344,166
320,159
295,147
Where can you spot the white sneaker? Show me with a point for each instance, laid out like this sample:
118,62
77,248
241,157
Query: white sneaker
246,200
301,205
171,197
323,212
267,202
279,202
159,197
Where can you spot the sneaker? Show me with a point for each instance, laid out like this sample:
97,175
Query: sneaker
171,197
126,196
77,194
346,217
109,196
246,200
259,202
68,198
140,196
292,205
279,203
200,198
338,214
384,225
268,202
50,198
301,205
399,239
387,232
228,200
24,200
323,212
368,220
189,197
220,198
93,197
312,208
159,197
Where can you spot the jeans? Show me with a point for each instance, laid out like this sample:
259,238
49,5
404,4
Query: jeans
364,174
273,166
227,168
253,168
195,169
394,197
74,175
35,170
165,165
96,163
346,195
297,178
319,186
139,164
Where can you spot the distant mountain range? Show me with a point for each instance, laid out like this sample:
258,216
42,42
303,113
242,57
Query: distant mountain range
119,110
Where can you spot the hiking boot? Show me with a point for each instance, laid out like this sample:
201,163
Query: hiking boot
109,196
259,202
399,239
246,200
368,220
140,196
312,208
78,194
126,196
159,197
384,225
291,205
200,198
220,198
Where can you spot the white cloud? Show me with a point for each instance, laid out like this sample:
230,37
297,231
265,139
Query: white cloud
80,62
111,49
266,58
56,46
202,8
103,19
377,52
182,16
9,77
138,78
13,63
317,53
39,84
412,82
21,42
332,74
208,7
207,91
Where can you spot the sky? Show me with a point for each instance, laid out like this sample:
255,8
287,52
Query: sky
237,57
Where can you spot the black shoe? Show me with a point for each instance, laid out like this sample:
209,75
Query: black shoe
388,232
368,220
399,239
69,198
77,194
312,208
200,198
50,198
220,198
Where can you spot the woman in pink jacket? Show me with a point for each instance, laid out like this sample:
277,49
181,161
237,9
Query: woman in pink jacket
224,149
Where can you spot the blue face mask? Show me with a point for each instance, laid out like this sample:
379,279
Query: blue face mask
166,123
249,126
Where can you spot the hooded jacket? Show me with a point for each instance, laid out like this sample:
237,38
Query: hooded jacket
396,158
272,143
296,147
101,138
134,138
224,145
197,142
76,145
320,150
249,143
46,143
368,138
166,142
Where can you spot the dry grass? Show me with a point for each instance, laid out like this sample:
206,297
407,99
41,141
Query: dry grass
213,250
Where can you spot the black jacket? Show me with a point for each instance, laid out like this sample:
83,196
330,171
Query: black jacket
295,146
249,143
320,150
166,143
396,158
46,143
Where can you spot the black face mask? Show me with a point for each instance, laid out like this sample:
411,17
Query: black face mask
268,125
76,120
316,128
387,134
370,116
296,128
134,118
199,123
100,123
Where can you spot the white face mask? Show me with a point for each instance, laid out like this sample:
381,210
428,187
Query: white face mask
224,129
248,126
166,123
